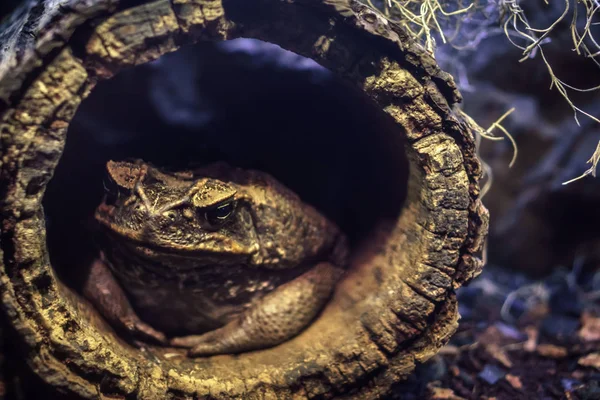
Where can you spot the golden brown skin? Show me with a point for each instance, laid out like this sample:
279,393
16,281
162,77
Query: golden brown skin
226,260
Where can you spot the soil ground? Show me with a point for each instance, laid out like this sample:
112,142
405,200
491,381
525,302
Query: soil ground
519,339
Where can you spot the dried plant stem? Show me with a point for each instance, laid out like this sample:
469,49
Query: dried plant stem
427,18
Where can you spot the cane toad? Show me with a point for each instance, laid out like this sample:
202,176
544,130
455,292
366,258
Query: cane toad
218,259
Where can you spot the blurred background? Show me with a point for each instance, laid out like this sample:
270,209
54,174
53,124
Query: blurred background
530,325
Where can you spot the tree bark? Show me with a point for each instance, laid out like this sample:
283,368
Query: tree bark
397,306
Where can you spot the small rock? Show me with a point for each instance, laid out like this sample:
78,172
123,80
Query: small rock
591,360
466,379
466,313
551,351
589,391
569,384
491,374
432,370
563,299
559,326
510,331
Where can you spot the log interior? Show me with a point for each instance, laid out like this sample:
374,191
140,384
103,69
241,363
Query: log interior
395,308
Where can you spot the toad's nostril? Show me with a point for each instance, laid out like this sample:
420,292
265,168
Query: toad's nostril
171,215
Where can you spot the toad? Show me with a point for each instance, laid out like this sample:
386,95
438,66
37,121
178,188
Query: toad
215,259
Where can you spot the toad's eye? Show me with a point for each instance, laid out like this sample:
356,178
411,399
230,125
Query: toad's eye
219,214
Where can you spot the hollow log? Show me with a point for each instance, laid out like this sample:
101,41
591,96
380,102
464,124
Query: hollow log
394,309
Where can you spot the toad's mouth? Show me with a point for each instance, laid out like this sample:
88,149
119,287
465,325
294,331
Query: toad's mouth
178,259
149,244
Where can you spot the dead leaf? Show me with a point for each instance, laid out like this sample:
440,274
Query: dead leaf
591,360
590,329
578,374
568,396
532,338
551,351
514,381
438,393
499,355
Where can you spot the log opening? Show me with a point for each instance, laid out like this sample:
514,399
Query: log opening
397,306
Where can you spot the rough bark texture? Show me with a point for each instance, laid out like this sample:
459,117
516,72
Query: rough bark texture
397,306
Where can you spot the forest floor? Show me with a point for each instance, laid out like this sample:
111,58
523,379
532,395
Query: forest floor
519,339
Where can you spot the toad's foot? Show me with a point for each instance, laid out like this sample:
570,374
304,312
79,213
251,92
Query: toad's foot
104,292
140,329
271,320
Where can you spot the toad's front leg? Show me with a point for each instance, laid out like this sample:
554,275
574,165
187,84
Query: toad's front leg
273,319
106,294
